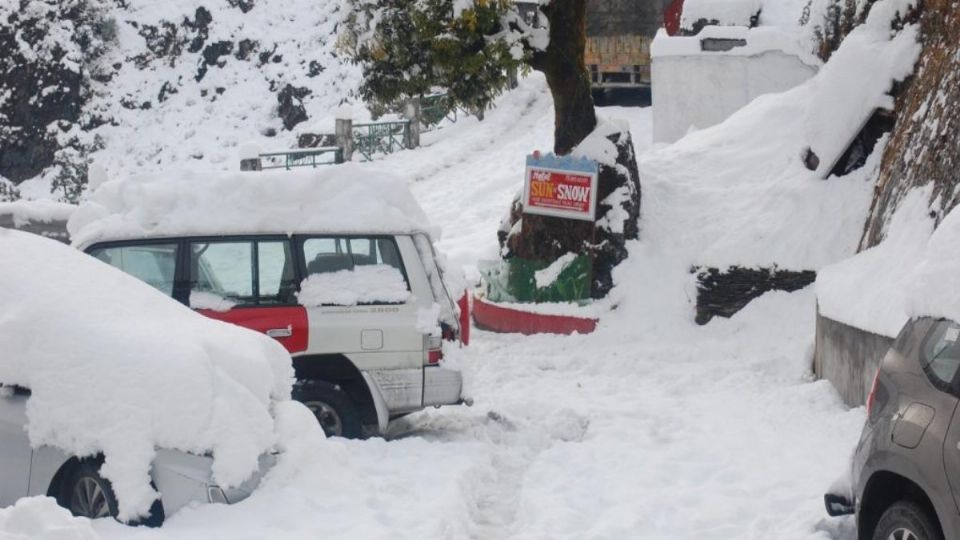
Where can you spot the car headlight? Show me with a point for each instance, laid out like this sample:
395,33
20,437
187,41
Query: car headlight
216,495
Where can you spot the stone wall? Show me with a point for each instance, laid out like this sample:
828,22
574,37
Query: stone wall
849,358
925,144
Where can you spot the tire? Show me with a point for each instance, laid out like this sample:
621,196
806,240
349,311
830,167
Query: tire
87,494
906,521
338,415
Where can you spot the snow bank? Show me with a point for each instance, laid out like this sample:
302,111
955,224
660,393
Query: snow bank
377,283
912,273
757,205
868,290
343,199
725,12
40,518
118,368
24,212
857,79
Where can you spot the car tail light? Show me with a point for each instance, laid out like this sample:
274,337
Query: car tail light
434,348
873,393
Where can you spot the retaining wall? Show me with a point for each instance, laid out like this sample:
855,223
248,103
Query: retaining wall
848,357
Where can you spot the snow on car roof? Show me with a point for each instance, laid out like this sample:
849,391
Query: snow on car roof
116,367
348,198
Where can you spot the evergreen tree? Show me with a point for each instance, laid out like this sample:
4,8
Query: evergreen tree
466,48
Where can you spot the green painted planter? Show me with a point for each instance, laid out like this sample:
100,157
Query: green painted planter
513,280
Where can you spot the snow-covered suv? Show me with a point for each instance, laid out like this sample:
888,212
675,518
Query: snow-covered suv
355,311
335,263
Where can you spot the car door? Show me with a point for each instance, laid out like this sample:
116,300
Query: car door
940,357
249,282
15,452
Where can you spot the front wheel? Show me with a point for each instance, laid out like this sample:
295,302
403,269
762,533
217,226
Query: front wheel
89,495
337,414
906,521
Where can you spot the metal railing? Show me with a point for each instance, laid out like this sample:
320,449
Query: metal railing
435,109
310,157
380,138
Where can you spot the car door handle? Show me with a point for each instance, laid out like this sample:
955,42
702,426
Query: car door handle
280,332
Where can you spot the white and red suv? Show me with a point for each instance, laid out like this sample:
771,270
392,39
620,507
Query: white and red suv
359,313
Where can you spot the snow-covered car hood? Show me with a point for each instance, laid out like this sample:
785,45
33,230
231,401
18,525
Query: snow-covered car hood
116,367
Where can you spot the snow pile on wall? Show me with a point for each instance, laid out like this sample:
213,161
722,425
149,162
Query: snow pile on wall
40,518
43,211
723,12
869,291
117,368
857,79
693,88
345,198
364,284
912,273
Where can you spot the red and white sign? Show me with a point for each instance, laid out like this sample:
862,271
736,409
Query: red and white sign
565,190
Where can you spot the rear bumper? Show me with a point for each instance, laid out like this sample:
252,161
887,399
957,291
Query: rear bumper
441,386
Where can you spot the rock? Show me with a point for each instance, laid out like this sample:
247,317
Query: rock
291,109
543,238
722,293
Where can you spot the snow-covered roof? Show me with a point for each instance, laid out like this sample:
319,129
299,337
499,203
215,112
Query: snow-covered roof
912,273
117,367
348,198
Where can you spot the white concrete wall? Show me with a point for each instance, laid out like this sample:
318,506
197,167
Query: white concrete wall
703,89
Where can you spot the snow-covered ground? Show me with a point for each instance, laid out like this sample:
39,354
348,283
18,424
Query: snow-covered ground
652,427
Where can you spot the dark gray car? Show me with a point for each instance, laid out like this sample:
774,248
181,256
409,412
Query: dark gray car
906,469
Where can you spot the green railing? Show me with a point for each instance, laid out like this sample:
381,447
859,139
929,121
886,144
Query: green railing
380,138
310,157
435,109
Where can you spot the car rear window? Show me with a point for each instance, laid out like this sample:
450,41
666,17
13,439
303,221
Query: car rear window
941,353
350,270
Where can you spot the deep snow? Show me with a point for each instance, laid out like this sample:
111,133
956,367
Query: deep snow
652,427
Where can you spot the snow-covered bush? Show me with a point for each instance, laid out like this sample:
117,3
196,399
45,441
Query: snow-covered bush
118,368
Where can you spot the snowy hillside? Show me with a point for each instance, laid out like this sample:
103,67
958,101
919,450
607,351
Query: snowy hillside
184,84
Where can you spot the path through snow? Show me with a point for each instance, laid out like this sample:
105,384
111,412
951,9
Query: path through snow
650,428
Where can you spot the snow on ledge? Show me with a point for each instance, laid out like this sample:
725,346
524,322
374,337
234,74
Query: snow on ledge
25,212
880,289
758,41
348,198
380,283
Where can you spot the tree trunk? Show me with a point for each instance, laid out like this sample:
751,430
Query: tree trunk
562,63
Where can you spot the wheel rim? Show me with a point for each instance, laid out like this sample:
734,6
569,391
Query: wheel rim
903,534
88,499
327,416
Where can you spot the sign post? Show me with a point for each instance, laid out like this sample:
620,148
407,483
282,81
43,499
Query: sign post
563,187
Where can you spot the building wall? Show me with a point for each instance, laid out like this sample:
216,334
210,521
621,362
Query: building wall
699,91
619,17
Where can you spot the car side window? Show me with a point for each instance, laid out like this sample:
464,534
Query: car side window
248,272
154,264
941,353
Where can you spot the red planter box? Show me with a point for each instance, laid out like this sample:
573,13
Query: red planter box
506,320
